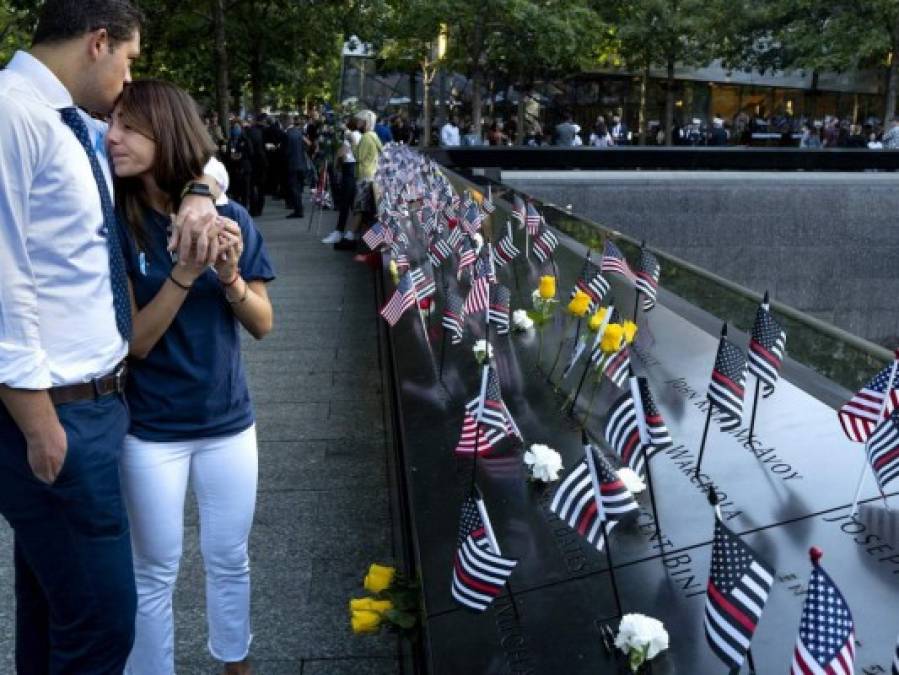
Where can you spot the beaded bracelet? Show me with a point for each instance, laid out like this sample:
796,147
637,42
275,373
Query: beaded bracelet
183,287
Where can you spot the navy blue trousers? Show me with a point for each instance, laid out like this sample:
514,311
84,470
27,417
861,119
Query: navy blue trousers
75,595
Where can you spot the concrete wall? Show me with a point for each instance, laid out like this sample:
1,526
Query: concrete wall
825,243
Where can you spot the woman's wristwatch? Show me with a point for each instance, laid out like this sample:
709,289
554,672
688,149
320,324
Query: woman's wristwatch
196,188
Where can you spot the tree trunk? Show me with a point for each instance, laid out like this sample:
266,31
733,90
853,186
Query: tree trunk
256,87
425,107
476,103
641,120
221,64
413,107
892,72
519,132
669,103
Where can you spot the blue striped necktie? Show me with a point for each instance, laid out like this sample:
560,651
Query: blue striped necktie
120,297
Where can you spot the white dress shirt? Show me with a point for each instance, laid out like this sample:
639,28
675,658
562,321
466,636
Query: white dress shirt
57,322
449,135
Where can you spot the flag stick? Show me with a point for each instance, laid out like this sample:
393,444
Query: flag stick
512,262
708,418
755,404
751,660
559,350
591,464
599,333
580,384
442,353
577,336
644,442
861,478
637,291
491,537
477,419
755,400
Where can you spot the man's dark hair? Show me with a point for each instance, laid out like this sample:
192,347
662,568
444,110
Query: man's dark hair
62,20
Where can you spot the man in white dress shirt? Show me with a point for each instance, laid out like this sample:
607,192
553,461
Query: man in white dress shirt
64,330
449,133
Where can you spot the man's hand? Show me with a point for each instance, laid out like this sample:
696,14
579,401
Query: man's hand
193,208
47,452
196,238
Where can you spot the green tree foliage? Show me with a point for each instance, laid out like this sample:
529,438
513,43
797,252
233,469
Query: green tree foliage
814,36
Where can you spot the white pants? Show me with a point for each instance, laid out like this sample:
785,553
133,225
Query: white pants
223,474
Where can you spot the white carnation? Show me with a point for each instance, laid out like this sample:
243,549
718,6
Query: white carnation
521,320
639,632
544,462
483,350
478,242
631,480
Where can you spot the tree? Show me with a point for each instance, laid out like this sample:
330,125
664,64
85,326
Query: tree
836,36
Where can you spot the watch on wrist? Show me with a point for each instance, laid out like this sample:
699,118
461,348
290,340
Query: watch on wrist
198,189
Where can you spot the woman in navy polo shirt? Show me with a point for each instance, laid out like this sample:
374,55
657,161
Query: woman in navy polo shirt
191,416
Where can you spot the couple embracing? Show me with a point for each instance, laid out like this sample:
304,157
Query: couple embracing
120,371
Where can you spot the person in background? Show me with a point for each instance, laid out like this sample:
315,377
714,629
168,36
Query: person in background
497,135
470,138
621,135
891,136
810,137
449,133
717,134
600,136
346,163
400,130
384,133
297,167
566,131
191,415
259,169
366,151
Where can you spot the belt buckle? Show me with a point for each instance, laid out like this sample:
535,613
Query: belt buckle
119,378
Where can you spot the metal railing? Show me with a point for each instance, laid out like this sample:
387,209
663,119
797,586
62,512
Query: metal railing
667,158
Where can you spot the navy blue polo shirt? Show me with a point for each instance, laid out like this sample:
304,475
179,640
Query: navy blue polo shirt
192,383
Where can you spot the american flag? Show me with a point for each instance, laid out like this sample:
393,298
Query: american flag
439,251
519,210
452,317
739,583
532,219
488,205
647,281
479,571
727,384
498,311
862,412
591,282
402,260
617,367
424,285
478,294
883,449
613,260
623,434
577,503
486,422
402,299
455,238
489,268
471,218
505,249
467,257
545,244
766,348
659,436
374,237
826,643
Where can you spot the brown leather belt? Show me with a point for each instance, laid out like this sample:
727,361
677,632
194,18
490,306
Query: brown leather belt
113,383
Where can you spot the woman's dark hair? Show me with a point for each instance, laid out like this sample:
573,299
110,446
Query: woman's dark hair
62,20
600,127
168,116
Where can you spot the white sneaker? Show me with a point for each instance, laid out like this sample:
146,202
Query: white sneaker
349,236
332,238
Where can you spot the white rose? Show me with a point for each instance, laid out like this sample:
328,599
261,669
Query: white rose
483,350
631,480
478,242
521,320
544,462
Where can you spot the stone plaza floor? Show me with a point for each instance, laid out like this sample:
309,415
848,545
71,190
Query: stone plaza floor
323,508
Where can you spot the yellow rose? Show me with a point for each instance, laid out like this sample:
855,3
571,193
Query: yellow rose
370,604
547,287
394,271
596,320
611,339
630,331
365,621
378,578
580,304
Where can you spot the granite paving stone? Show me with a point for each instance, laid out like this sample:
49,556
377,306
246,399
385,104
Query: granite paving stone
322,512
